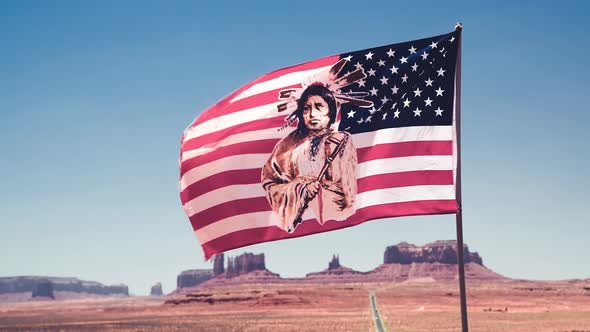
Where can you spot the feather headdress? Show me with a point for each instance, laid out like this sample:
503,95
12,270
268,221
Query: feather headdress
334,82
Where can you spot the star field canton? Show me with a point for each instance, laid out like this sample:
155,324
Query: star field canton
410,84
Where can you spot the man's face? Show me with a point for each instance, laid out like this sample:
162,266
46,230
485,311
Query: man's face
316,113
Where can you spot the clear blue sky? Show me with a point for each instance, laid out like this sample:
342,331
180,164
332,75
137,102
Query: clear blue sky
94,97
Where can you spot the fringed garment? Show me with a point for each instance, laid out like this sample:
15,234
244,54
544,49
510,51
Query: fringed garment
297,160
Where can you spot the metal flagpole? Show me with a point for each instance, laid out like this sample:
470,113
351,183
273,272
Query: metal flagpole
459,215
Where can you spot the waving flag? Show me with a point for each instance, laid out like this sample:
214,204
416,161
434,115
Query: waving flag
325,145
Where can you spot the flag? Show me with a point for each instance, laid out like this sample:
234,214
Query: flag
253,167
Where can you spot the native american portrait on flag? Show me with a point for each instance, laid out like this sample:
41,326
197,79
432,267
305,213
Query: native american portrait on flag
315,165
326,144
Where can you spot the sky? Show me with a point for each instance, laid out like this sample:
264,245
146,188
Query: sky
94,97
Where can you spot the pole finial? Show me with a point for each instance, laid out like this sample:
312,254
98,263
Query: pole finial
458,26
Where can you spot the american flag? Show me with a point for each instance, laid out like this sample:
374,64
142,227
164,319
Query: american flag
405,144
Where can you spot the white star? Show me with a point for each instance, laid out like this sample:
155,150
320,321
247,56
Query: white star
433,45
417,92
361,83
417,112
360,121
403,59
393,106
390,53
438,111
372,110
369,55
371,72
393,69
381,63
414,67
441,72
429,82
373,91
384,116
368,119
428,101
348,58
351,114
396,114
405,78
384,100
394,89
407,102
452,39
358,65
384,80
424,55
439,92
412,49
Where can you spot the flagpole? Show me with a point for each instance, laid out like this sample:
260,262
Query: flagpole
459,215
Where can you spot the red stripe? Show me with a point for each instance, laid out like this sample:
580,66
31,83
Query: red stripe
405,149
263,98
405,179
219,180
261,146
228,209
214,137
308,227
221,108
391,150
256,204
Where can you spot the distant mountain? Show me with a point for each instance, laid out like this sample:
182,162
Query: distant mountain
42,286
435,261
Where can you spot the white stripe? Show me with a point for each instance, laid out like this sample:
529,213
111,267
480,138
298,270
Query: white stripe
369,198
404,134
383,136
404,194
235,224
368,168
279,82
242,161
272,133
222,195
404,164
232,119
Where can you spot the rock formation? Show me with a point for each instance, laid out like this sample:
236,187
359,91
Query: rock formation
192,278
334,263
218,267
246,262
43,288
444,252
157,290
246,268
230,267
27,284
404,262
335,273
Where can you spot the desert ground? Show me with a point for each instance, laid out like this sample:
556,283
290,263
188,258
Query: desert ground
420,305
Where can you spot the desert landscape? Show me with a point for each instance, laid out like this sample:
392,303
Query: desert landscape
416,289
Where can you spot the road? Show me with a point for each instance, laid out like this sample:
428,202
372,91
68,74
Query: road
379,324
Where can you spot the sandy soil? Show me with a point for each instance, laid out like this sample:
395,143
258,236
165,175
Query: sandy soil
411,306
